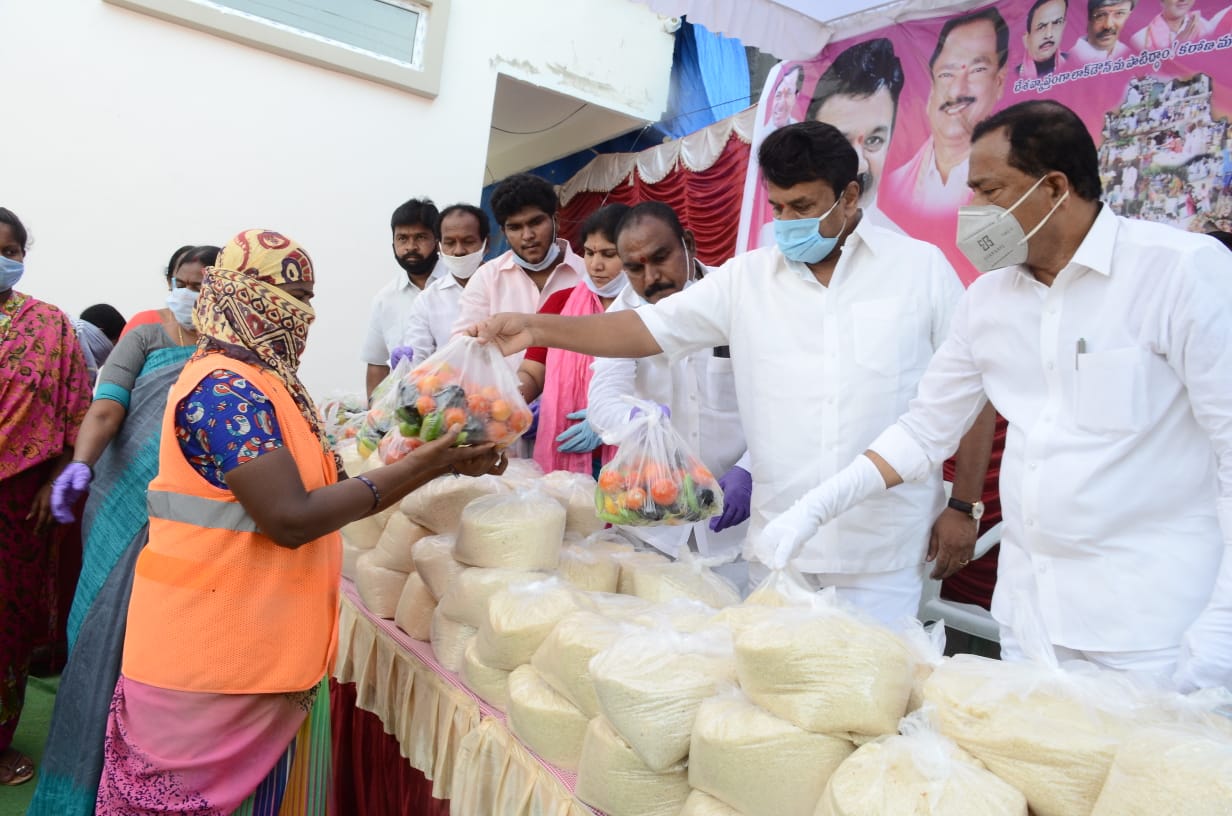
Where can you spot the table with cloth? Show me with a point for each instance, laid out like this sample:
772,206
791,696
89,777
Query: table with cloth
409,734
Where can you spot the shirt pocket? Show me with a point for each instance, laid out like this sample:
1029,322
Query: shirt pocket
881,334
1110,391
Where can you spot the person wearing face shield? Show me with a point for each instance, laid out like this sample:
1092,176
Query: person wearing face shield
416,251
462,231
1106,343
828,332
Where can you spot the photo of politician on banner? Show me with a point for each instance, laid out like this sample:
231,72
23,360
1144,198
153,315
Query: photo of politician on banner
1151,79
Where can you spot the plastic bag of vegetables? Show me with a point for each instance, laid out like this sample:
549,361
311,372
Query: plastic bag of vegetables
654,478
463,383
381,406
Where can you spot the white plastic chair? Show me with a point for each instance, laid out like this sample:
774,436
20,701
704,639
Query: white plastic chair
970,619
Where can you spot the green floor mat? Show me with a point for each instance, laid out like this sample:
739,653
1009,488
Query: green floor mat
31,734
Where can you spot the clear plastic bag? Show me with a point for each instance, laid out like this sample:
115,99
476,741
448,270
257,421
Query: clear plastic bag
654,479
380,416
524,530
1170,769
463,383
341,416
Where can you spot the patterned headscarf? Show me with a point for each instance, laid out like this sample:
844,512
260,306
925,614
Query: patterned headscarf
241,313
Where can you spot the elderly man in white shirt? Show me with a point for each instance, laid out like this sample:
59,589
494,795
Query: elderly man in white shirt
414,243
462,230
660,261
1107,345
829,332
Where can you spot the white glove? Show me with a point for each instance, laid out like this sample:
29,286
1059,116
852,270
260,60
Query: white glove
782,538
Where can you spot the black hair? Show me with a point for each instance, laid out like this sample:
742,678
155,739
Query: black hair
989,14
519,191
485,227
1095,5
1222,236
206,255
656,210
808,151
606,221
1046,136
177,258
9,217
107,318
415,211
860,71
1035,7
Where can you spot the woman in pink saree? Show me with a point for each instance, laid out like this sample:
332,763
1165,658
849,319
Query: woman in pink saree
44,393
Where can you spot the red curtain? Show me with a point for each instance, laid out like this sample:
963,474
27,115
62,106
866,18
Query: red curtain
708,203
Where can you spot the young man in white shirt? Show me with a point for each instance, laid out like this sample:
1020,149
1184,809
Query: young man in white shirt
660,261
414,243
1107,345
462,231
829,332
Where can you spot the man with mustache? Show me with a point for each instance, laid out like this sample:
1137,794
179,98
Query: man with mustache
1045,25
537,264
968,76
1177,21
660,261
1105,19
414,243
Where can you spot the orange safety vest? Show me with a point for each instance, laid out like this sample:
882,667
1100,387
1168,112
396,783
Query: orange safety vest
216,605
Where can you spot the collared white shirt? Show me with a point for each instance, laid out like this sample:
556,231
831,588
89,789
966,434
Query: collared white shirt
431,320
1083,52
390,309
1117,385
819,372
501,285
700,391
919,182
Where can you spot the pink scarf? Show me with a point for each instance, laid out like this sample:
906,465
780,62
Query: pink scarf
565,384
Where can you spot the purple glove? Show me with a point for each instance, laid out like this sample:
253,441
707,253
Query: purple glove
399,354
67,490
533,429
637,412
737,485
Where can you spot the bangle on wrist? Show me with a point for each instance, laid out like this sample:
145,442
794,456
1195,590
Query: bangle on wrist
376,494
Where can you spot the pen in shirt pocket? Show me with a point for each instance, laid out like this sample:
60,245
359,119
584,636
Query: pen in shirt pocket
1080,348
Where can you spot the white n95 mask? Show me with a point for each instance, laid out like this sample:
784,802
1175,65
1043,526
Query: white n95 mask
991,237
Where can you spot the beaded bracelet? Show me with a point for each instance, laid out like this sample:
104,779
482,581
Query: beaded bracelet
376,494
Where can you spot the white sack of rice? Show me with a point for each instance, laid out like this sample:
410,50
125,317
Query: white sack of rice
449,640
490,683
520,530
1169,769
466,598
396,542
703,804
379,587
589,569
519,619
552,726
757,763
611,778
415,608
664,581
576,494
438,505
650,684
563,660
434,561
350,559
632,562
826,671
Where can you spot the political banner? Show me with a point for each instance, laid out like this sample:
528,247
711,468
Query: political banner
1152,81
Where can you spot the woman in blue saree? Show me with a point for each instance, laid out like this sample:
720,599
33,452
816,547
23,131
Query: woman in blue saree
115,459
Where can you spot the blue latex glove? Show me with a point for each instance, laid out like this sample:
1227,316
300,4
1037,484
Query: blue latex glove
737,485
67,490
399,354
581,438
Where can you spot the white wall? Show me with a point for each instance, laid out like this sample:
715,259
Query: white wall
125,136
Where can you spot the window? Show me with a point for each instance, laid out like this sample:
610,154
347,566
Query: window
396,42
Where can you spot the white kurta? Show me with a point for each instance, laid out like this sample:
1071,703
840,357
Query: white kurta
387,320
819,371
1116,382
430,324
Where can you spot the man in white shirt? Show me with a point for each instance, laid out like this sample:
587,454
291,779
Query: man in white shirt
1105,19
463,234
1107,345
968,76
829,332
414,243
858,94
537,264
659,259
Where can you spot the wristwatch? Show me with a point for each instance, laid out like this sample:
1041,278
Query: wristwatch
973,509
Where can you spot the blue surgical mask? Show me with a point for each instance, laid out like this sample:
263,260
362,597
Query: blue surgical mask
801,240
10,273
181,302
